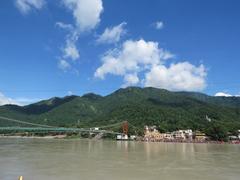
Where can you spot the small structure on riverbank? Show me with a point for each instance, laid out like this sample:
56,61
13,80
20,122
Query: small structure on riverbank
122,137
200,136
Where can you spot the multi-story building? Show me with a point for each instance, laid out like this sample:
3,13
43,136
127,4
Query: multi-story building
183,134
179,135
200,136
188,134
168,136
152,134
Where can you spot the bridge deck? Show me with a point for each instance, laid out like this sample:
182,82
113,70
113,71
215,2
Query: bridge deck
57,129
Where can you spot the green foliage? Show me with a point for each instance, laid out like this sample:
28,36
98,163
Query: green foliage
217,132
139,106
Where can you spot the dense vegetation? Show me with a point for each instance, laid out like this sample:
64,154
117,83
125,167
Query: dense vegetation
139,106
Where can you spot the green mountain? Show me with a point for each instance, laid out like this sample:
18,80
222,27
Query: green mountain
139,106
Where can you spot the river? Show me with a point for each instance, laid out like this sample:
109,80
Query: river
52,159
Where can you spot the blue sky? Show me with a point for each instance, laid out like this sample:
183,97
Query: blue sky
61,47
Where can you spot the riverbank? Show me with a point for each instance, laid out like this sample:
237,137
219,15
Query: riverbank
197,142
35,137
139,140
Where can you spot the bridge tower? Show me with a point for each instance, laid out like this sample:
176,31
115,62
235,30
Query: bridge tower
125,127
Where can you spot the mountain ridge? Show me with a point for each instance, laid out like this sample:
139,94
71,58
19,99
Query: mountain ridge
140,106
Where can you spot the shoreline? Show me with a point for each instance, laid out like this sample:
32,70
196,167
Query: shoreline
69,138
35,137
196,142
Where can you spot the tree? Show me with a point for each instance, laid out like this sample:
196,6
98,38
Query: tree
217,132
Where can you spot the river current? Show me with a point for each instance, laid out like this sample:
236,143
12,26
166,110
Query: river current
52,159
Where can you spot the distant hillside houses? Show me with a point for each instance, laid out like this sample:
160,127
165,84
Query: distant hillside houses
152,134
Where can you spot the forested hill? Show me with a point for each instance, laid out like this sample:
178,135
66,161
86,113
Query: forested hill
139,106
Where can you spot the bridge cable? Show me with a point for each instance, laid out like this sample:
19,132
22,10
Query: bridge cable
24,122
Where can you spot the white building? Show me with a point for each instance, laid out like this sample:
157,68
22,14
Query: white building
188,134
183,134
168,136
133,137
122,137
179,134
148,129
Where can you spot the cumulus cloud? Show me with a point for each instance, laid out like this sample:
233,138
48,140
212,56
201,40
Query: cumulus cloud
86,13
113,34
130,80
64,65
180,76
26,6
70,50
146,58
133,56
159,25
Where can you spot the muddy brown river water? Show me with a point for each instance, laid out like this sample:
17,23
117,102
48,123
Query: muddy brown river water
52,159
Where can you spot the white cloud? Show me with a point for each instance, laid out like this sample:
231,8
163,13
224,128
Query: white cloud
64,65
113,34
180,76
146,58
70,50
65,26
132,57
158,25
25,6
86,13
6,100
223,94
130,80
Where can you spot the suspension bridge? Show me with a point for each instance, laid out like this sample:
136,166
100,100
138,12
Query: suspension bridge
42,128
